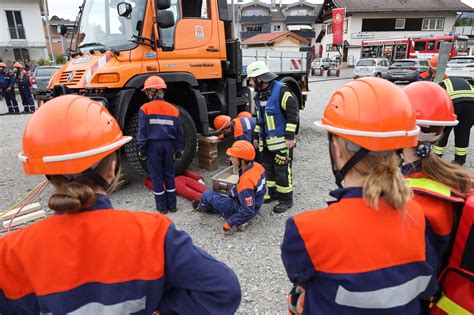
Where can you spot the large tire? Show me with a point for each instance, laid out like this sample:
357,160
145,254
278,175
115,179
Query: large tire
190,143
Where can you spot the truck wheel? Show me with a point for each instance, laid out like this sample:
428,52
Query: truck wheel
190,143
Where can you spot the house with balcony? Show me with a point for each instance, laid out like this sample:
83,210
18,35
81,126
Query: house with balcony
59,43
257,17
380,19
22,37
281,41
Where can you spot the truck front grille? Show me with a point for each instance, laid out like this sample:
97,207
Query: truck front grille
66,79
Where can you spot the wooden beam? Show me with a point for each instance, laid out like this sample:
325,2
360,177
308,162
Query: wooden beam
25,218
26,209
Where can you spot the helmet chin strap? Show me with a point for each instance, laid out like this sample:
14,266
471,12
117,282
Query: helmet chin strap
356,158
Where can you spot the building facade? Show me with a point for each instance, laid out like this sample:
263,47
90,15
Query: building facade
59,43
22,37
379,19
257,17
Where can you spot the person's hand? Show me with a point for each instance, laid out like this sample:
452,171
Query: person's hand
228,230
255,143
142,156
296,300
281,158
178,155
290,144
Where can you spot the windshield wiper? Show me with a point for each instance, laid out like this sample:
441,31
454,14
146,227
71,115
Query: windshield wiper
101,50
141,40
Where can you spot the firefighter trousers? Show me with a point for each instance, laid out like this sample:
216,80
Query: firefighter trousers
465,112
10,99
161,168
27,99
279,177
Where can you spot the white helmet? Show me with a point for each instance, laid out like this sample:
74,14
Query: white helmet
259,69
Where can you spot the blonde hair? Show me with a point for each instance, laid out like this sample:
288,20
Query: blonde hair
382,177
73,196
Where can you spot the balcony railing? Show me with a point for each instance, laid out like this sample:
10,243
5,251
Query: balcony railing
306,34
255,19
300,19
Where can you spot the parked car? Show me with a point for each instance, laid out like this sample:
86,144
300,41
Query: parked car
41,77
462,66
321,63
407,69
372,67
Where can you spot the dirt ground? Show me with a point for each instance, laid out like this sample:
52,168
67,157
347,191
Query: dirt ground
253,254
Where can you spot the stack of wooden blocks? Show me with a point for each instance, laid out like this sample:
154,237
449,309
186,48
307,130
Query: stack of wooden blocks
208,158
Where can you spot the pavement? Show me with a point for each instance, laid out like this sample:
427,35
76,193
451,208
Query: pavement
253,254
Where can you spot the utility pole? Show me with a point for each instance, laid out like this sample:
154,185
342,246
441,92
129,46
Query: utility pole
46,17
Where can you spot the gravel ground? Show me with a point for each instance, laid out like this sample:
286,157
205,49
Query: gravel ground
253,254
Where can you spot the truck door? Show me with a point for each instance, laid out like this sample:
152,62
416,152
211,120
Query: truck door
192,45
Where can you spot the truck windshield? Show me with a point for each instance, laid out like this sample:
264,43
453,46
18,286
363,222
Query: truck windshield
101,26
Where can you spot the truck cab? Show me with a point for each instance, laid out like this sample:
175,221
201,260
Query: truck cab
119,44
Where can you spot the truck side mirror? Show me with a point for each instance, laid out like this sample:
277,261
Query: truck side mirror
124,9
165,19
162,4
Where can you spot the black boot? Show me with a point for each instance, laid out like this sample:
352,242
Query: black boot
174,209
163,211
282,207
196,206
269,198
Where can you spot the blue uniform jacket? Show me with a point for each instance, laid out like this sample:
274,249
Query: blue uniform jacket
248,194
105,261
242,128
353,259
7,81
159,120
23,82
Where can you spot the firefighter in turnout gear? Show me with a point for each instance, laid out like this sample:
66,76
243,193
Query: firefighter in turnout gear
274,135
430,75
160,141
23,81
246,198
462,95
7,88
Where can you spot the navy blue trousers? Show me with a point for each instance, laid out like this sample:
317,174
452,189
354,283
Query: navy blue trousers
214,202
27,99
10,99
161,168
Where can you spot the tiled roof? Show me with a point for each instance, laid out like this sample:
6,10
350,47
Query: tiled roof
269,38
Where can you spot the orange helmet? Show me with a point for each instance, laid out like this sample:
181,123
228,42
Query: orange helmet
3,65
221,122
434,62
154,82
372,113
68,135
242,149
431,103
17,65
244,115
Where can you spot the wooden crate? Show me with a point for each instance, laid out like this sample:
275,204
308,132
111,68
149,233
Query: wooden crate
209,164
208,153
224,181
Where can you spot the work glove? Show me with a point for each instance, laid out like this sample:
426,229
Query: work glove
228,230
296,300
281,158
142,156
178,155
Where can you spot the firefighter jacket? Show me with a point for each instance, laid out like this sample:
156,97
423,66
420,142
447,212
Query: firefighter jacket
248,194
458,89
438,203
7,80
353,259
428,76
105,261
22,79
159,120
277,117
242,128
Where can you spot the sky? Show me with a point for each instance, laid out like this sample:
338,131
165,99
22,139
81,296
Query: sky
68,8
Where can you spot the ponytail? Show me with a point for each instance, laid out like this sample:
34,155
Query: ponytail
382,178
451,175
71,196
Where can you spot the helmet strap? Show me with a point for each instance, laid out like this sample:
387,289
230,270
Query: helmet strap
97,178
356,158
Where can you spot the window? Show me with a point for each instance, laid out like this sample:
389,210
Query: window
167,34
329,29
276,28
431,45
21,54
330,47
420,45
197,9
257,28
400,24
15,25
366,63
433,24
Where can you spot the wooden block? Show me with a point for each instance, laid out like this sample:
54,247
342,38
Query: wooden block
25,218
212,139
210,165
208,154
26,209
